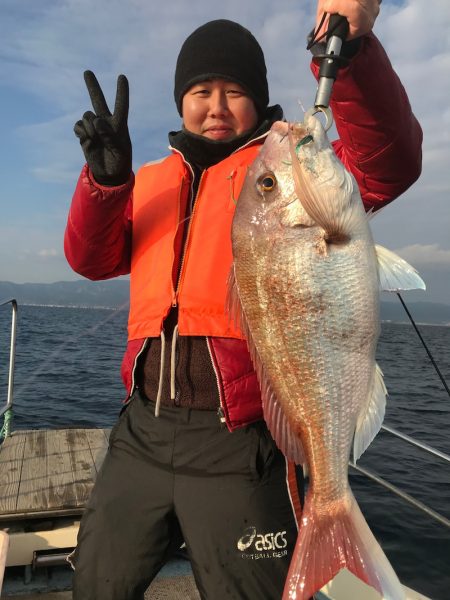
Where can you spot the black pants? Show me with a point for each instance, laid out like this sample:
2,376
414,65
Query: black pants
231,497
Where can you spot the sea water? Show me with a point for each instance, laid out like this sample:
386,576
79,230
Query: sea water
68,374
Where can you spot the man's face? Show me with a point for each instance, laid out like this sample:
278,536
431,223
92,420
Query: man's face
218,109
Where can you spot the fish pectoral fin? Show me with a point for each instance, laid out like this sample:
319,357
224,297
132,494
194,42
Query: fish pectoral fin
329,204
371,416
395,273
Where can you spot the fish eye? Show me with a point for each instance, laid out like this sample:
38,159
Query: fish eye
267,182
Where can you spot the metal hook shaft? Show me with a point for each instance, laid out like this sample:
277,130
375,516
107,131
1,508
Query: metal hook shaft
326,111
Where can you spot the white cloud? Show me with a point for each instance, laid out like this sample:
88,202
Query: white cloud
58,43
46,46
52,149
48,253
430,255
415,35
55,173
34,255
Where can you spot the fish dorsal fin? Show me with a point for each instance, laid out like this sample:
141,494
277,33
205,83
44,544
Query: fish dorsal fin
372,414
395,273
277,423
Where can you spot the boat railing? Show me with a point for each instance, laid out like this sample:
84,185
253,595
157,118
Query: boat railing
406,438
6,411
414,442
397,491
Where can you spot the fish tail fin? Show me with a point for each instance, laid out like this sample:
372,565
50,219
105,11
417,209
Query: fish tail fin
330,542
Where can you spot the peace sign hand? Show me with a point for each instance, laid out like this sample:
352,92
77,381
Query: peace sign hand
103,136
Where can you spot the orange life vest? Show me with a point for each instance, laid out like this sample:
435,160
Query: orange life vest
159,191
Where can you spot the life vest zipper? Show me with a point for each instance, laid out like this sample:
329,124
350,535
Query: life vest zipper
180,194
185,247
194,203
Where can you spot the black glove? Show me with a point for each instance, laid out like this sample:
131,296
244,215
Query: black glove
103,136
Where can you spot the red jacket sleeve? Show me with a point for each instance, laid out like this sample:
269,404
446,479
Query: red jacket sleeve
380,138
97,241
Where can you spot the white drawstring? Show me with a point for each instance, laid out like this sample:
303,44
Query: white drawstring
173,361
161,373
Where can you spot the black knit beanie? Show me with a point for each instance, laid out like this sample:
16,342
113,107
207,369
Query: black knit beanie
226,50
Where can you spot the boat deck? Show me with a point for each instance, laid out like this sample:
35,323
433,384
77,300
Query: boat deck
49,472
174,582
163,588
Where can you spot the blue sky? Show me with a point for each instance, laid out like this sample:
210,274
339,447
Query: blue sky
46,46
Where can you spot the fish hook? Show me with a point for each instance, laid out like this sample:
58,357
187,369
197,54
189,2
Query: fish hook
325,110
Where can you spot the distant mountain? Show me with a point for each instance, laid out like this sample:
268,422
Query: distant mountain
114,294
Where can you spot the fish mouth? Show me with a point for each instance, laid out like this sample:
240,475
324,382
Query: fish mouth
283,127
299,129
300,133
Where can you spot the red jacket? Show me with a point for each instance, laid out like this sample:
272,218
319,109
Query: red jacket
380,143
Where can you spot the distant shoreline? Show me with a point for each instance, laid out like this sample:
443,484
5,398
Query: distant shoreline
82,306
416,322
115,295
116,308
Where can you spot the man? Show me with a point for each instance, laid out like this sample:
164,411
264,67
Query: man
190,457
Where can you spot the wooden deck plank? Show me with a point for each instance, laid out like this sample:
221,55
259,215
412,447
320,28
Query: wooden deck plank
49,471
11,456
34,472
98,444
60,488
83,467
